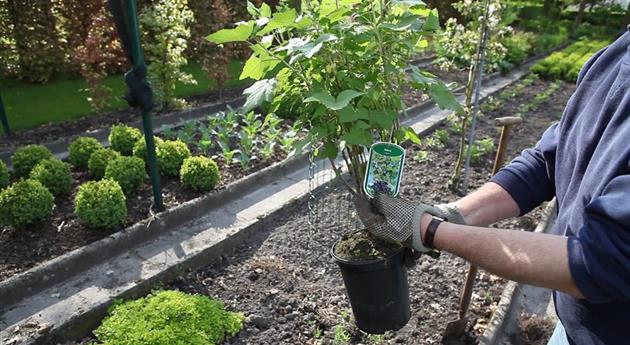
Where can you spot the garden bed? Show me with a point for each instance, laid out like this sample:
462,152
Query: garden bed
285,281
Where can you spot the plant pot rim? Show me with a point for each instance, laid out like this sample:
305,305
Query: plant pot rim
361,262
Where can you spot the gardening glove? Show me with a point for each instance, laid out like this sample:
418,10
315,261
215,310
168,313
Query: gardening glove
398,220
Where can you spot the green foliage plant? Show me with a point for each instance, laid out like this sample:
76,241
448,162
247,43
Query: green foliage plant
567,63
99,160
167,318
170,156
4,175
24,203
27,157
81,149
140,147
166,30
129,172
123,137
199,173
481,148
54,174
348,59
101,204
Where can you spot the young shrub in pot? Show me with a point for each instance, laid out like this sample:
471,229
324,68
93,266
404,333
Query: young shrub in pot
199,173
101,204
348,62
24,203
99,160
129,172
27,157
81,149
122,138
54,174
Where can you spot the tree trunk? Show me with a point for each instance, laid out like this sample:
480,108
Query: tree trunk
626,19
445,8
578,18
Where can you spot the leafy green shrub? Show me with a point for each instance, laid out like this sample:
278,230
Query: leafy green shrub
199,173
27,157
81,149
99,160
170,156
54,175
140,147
24,203
566,64
4,175
122,138
129,172
518,46
169,317
101,204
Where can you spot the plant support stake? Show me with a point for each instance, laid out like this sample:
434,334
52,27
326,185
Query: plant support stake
5,120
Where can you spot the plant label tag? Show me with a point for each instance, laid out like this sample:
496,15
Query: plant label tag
384,169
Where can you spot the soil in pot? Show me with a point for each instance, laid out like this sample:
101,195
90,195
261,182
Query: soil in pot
362,246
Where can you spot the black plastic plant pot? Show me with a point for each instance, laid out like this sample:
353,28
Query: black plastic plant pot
378,291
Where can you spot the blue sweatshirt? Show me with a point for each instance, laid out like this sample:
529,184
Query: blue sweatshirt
584,161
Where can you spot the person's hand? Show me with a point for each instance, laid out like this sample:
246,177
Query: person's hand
398,220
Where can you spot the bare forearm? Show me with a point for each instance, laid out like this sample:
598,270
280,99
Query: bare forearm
487,205
532,258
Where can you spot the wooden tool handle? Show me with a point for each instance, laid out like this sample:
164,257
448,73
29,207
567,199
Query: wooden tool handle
507,121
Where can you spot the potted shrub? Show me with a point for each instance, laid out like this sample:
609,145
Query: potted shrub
348,61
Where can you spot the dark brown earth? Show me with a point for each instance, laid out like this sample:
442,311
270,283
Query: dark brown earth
361,245
535,329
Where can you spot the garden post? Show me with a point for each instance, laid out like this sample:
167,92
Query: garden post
4,119
139,92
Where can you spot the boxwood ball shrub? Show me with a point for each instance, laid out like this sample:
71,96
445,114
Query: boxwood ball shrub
54,175
98,162
140,147
129,172
24,203
101,204
199,173
4,175
81,149
169,317
170,156
122,138
26,158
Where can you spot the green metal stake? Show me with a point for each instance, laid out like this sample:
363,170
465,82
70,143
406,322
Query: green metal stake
138,58
4,119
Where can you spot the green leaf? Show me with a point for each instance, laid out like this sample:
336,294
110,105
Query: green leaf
359,134
433,21
342,100
265,10
350,114
382,118
422,43
239,34
329,150
280,20
443,96
251,9
262,91
302,22
251,69
410,134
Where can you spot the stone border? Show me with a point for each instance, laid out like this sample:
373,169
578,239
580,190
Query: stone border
509,302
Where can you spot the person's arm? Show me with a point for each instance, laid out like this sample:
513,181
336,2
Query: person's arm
488,204
531,258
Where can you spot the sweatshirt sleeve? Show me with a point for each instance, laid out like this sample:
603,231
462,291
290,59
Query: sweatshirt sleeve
599,255
529,178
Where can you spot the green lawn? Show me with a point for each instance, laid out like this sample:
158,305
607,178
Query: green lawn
29,105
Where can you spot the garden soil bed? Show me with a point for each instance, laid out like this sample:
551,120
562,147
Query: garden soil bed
286,283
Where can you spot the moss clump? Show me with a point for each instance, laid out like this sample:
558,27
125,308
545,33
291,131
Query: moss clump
24,203
199,173
81,149
101,204
169,317
27,157
122,138
54,175
99,160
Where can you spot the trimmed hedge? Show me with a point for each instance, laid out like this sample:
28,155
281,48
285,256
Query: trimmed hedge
170,156
81,149
27,157
24,203
200,174
99,160
169,317
129,172
122,138
140,147
4,175
54,175
101,204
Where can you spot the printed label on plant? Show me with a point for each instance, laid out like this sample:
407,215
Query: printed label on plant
384,169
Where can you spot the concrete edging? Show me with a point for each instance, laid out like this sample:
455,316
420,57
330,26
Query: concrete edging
510,300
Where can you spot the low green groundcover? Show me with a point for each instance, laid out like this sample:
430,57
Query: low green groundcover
168,318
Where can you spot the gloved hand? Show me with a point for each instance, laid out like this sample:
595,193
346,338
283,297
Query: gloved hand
398,220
